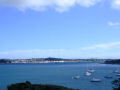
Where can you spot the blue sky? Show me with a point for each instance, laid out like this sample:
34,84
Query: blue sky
60,28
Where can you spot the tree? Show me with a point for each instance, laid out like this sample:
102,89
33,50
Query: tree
116,84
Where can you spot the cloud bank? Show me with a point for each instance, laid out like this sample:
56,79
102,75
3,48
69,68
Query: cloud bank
39,5
103,46
58,5
107,50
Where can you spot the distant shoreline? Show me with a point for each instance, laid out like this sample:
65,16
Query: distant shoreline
48,60
57,60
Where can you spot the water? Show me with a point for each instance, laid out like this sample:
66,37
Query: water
58,74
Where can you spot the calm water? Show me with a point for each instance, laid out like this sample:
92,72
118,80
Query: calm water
58,74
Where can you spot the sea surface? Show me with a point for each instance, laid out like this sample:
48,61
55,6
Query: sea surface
58,74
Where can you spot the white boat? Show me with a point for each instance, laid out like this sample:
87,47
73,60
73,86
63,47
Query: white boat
115,71
118,74
76,77
91,70
95,80
108,77
87,73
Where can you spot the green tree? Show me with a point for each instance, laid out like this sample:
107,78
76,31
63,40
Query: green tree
116,84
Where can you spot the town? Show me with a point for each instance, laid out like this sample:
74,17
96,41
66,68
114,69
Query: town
49,60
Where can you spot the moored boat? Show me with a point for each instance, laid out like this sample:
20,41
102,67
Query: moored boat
76,77
87,73
91,70
95,80
108,77
118,74
115,71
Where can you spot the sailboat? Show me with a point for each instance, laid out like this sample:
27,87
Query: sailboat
115,71
76,77
87,73
108,77
91,70
95,80
118,74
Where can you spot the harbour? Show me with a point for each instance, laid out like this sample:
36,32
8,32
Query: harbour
59,74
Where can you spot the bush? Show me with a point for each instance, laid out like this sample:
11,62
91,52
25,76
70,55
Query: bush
28,86
116,84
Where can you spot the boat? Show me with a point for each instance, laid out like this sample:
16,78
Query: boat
118,74
108,77
76,77
91,70
95,80
87,73
115,71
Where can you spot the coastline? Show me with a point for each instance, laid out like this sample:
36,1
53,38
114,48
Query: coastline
48,60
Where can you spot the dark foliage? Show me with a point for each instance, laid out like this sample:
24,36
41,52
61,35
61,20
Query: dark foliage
113,61
28,86
52,59
116,84
5,61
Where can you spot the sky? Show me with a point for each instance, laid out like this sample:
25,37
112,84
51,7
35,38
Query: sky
60,28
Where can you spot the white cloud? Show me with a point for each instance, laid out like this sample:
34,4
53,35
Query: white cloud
88,3
103,46
107,50
58,5
116,4
114,23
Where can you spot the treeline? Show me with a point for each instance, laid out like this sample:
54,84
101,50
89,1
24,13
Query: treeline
54,59
113,61
5,61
